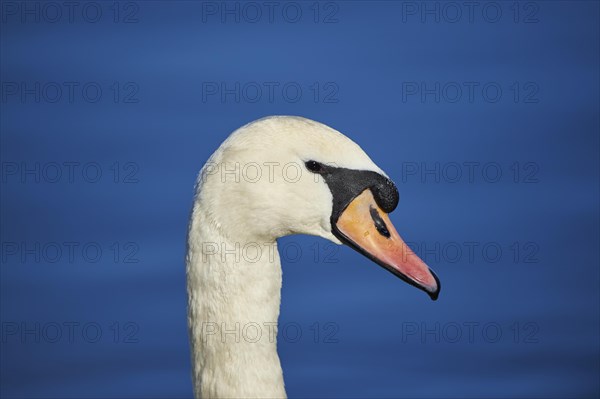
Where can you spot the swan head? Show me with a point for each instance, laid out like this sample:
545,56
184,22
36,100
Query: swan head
284,175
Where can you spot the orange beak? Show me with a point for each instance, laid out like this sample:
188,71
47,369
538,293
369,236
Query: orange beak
366,228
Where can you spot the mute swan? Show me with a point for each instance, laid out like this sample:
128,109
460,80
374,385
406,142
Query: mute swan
274,177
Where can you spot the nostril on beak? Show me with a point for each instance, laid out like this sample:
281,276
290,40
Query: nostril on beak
379,223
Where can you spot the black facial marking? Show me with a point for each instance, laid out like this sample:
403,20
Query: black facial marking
346,184
379,223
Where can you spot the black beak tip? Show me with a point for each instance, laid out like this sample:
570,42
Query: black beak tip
434,294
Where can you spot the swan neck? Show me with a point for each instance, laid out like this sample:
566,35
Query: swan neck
234,294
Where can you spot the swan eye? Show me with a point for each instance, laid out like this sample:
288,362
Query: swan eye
314,166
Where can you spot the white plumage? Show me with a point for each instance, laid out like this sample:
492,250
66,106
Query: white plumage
232,286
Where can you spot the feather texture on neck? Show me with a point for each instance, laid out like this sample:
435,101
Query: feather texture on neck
234,291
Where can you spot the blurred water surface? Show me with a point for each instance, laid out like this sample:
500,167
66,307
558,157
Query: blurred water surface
517,255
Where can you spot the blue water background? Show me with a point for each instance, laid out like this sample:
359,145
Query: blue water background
377,336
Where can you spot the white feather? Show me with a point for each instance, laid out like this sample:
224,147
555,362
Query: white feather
253,190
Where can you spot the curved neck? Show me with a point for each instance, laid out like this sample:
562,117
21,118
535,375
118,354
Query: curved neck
234,291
